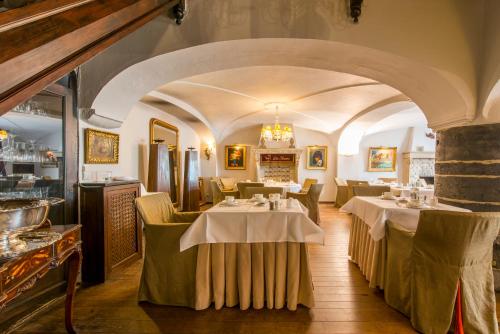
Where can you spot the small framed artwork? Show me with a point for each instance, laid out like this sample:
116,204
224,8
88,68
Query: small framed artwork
317,157
382,159
236,157
101,147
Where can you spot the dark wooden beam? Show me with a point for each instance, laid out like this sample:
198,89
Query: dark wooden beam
40,52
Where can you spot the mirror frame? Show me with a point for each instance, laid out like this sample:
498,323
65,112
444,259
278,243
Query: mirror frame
159,122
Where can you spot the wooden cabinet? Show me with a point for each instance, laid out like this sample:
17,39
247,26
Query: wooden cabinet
111,232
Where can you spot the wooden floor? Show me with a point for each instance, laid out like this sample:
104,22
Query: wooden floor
344,303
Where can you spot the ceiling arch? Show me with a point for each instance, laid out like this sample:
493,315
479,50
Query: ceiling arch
434,91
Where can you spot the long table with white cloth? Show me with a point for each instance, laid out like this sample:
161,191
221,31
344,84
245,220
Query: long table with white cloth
249,255
367,244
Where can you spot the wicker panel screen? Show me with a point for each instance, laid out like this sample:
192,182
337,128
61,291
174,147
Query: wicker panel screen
123,226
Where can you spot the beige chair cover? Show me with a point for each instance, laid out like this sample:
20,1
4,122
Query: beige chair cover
168,276
352,183
369,190
242,186
227,183
218,195
310,200
266,191
449,248
272,275
307,185
342,192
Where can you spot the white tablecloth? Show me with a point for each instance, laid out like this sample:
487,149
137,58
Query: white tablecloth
405,192
375,211
287,187
249,223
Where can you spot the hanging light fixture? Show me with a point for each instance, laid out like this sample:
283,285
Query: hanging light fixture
276,133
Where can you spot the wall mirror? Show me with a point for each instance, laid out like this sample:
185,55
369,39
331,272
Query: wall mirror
165,136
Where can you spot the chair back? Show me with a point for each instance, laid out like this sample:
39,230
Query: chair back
217,195
242,186
314,192
155,209
308,183
356,183
456,238
370,190
340,182
227,183
266,191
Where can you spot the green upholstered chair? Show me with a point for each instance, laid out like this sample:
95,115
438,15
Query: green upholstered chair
168,276
369,190
219,195
310,200
266,191
425,270
342,192
242,186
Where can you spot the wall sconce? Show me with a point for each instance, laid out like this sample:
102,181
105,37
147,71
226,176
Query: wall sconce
209,150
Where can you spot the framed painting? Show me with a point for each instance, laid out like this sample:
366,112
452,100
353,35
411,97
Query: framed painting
101,147
236,157
382,159
317,157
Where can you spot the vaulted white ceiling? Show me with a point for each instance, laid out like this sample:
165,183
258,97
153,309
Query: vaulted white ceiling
317,99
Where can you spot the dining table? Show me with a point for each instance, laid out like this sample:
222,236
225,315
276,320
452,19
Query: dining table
286,187
249,255
367,244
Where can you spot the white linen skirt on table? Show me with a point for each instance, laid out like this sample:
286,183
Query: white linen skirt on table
369,255
271,274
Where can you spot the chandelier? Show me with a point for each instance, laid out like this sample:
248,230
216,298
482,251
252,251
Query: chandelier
276,133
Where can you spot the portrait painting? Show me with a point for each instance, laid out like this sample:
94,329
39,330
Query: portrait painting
382,159
235,157
101,147
317,157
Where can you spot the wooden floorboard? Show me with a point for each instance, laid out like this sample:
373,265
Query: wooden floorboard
344,303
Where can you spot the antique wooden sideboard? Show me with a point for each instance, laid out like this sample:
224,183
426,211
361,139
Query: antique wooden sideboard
21,273
111,233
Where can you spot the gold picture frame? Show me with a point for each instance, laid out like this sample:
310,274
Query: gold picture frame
235,157
382,159
317,157
101,147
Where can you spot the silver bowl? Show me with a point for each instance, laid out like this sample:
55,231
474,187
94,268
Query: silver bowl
21,215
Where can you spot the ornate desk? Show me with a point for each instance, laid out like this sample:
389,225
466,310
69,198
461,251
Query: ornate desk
20,273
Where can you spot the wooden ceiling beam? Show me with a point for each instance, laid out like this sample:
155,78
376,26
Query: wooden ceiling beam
35,54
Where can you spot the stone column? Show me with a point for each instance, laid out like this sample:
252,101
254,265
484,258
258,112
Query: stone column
468,172
468,167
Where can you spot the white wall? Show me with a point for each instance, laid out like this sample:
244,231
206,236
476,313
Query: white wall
405,139
134,139
250,138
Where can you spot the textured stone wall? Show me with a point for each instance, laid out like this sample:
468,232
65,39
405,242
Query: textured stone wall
468,167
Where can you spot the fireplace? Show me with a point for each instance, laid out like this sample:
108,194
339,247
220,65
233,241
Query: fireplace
418,165
277,164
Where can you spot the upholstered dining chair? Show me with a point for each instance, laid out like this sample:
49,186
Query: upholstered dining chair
310,200
242,186
370,190
388,179
342,192
218,194
443,271
352,183
168,276
266,191
307,184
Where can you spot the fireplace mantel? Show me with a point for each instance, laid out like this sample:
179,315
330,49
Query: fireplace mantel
293,169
